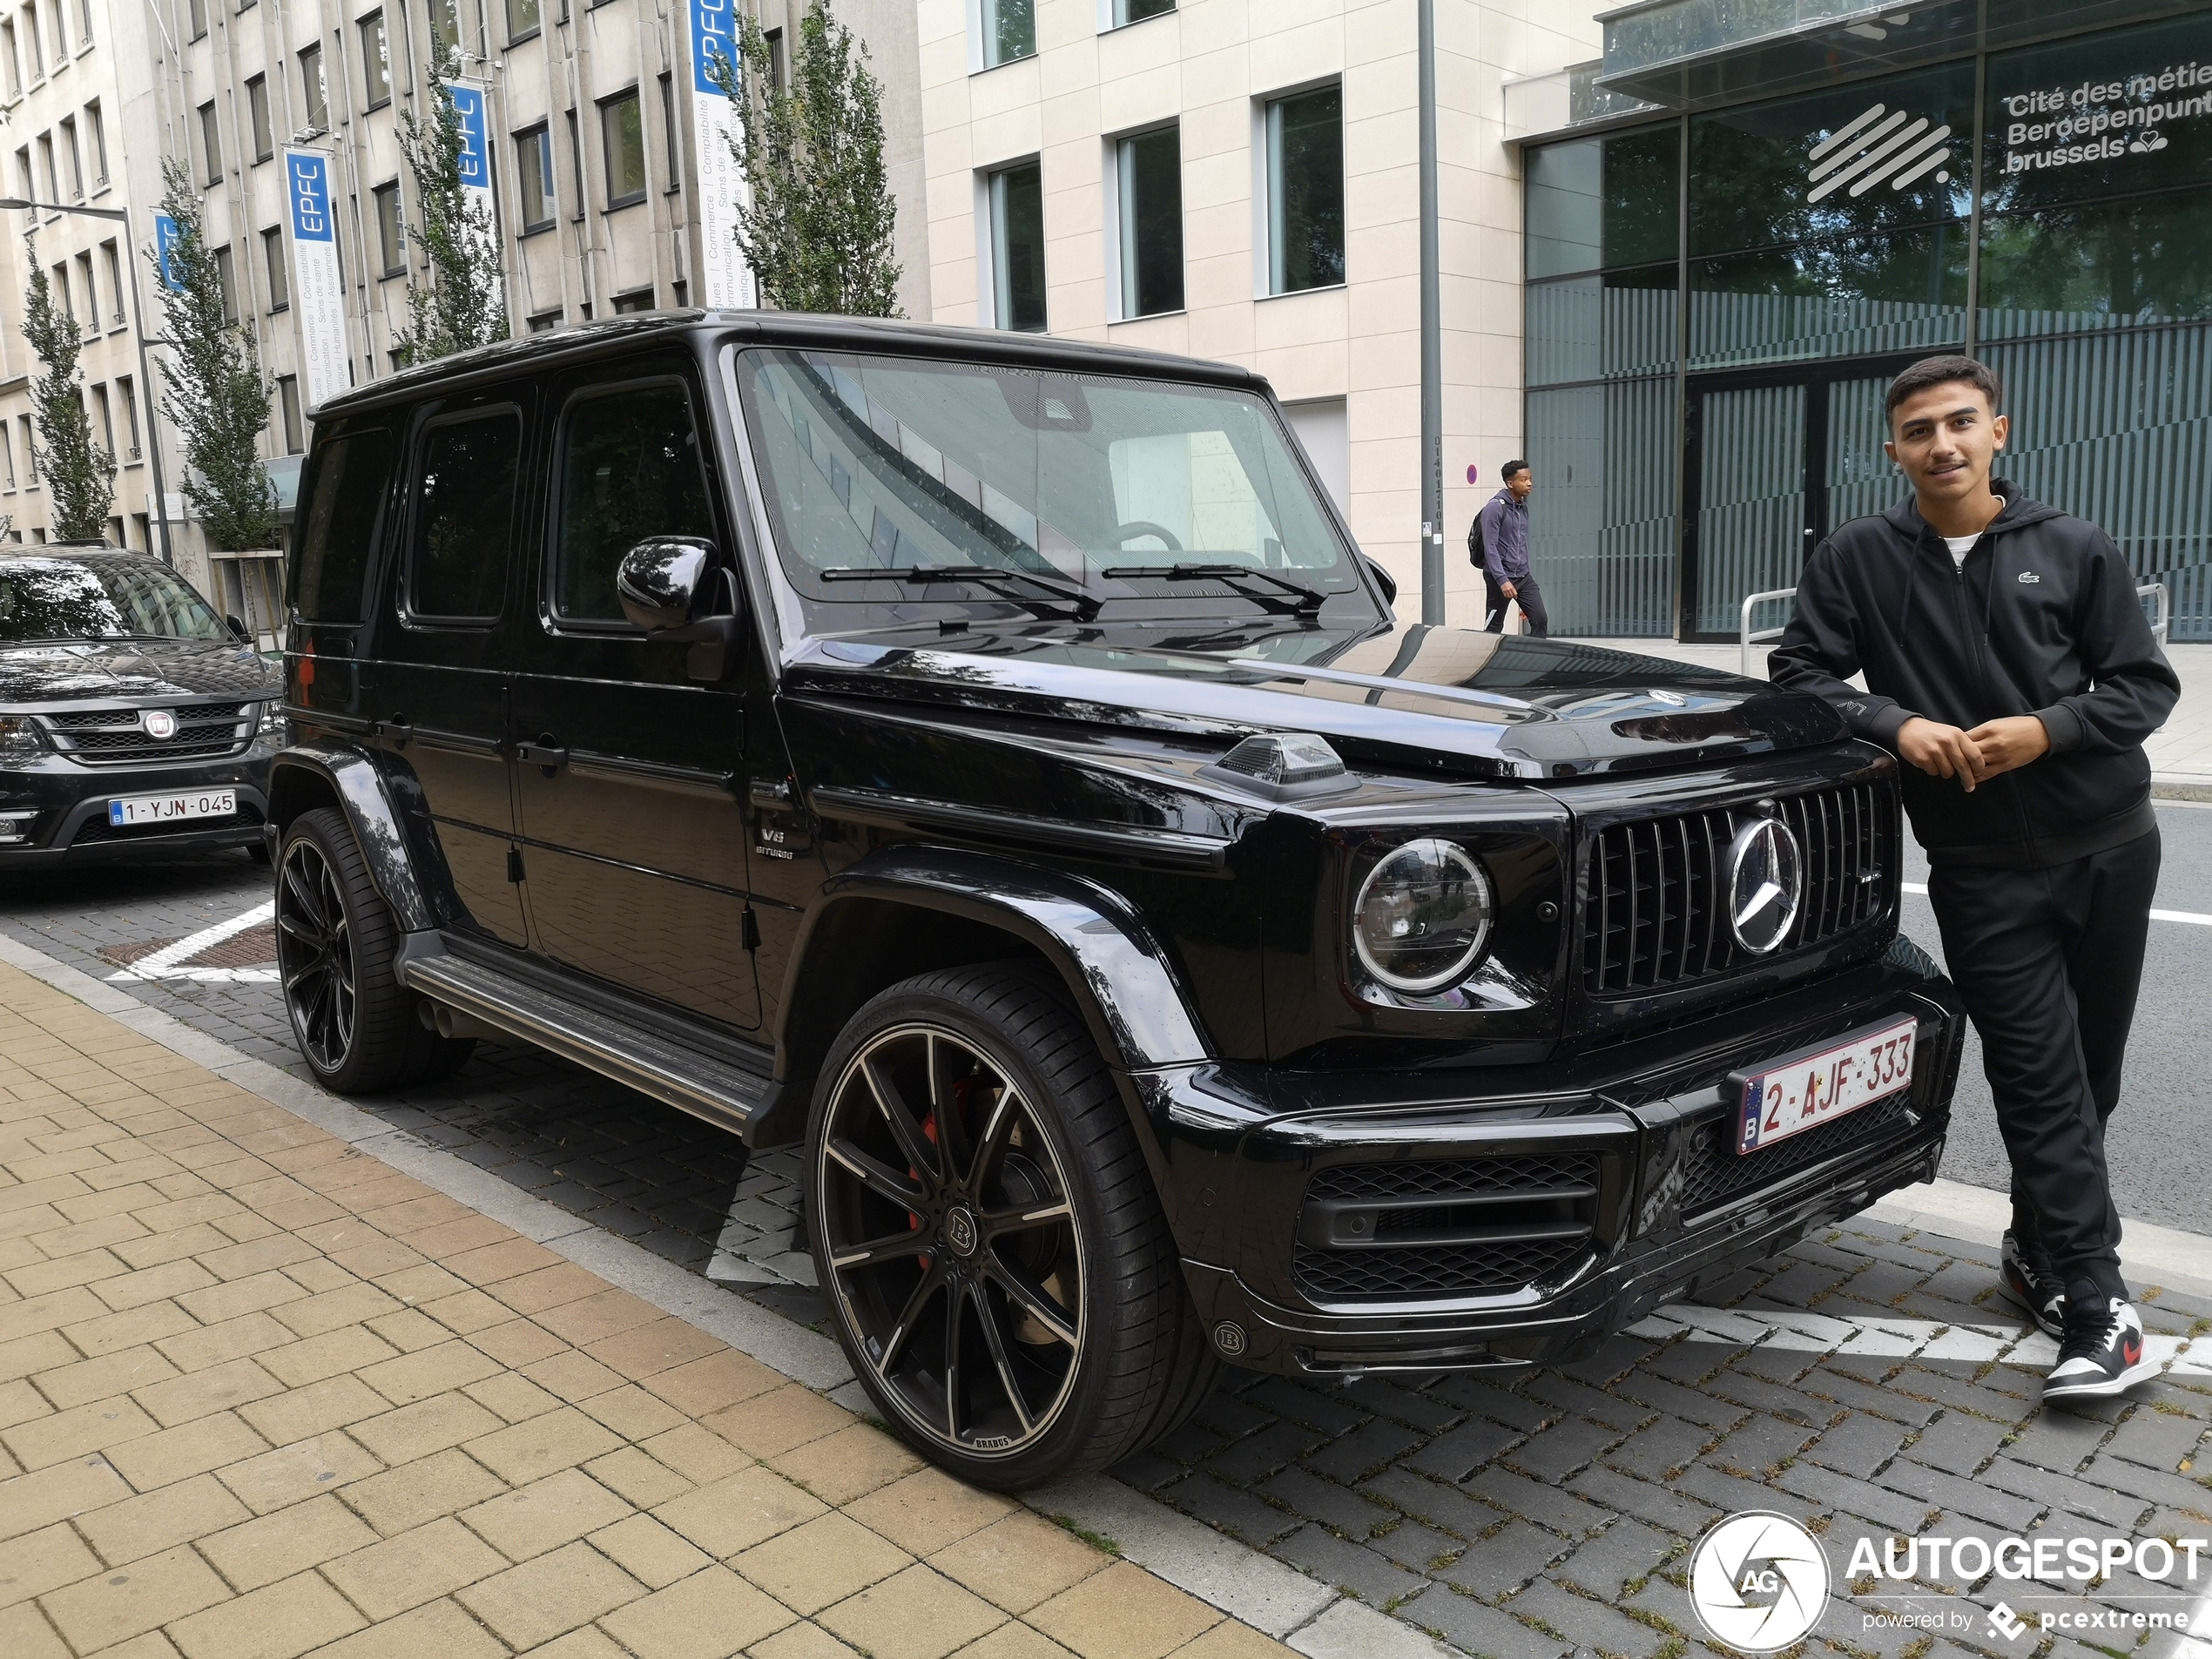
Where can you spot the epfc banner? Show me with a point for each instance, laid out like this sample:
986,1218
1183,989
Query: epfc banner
318,292
724,278
468,102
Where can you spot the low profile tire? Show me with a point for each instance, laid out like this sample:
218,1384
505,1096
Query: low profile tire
354,1021
994,1258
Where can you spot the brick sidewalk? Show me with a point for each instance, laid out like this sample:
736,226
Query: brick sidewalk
262,1395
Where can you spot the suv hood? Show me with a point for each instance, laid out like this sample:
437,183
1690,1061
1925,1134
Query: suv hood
104,670
1430,699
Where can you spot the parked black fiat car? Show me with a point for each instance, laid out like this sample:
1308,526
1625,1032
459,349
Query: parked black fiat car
988,761
134,721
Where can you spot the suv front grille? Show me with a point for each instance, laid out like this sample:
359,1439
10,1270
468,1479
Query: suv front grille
117,737
1652,916
1443,1228
1714,1175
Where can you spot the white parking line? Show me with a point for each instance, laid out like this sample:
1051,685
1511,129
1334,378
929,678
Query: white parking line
167,962
1891,1337
2195,919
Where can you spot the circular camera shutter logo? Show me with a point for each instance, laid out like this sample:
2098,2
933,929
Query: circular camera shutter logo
160,723
1758,1581
1765,882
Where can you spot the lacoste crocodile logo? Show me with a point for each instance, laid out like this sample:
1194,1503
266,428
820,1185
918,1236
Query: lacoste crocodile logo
2029,577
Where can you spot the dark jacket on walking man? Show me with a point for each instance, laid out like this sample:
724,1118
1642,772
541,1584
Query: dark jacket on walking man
2008,662
1499,543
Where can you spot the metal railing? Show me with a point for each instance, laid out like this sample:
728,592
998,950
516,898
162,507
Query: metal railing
2161,623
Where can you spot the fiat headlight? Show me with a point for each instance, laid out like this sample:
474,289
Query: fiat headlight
1423,916
20,740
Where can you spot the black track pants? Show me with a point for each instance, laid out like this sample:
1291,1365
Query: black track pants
2048,962
1526,595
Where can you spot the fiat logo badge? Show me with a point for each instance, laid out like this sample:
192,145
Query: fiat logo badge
1765,883
160,723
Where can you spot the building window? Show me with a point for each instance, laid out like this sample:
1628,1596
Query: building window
445,24
107,419
198,11
129,396
545,322
272,258
46,162
74,155
114,259
295,435
14,71
38,47
8,453
84,20
1007,30
575,159
60,17
669,130
61,284
91,292
522,19
1128,12
376,61
97,127
211,146
1148,180
30,453
391,236
637,299
257,109
227,282
775,40
311,82
534,176
622,125
1305,191
1017,248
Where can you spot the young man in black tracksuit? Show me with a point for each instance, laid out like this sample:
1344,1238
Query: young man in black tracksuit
2009,665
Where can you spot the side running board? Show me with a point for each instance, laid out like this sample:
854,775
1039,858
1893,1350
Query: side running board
670,1071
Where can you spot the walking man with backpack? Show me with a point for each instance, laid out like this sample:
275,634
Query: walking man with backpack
2009,665
1498,542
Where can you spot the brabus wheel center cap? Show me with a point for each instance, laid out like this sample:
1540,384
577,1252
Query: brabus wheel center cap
960,1231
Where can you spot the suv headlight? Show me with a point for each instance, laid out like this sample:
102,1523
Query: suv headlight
1423,916
20,739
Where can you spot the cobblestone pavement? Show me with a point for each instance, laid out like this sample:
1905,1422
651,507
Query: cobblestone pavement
262,1395
1544,1514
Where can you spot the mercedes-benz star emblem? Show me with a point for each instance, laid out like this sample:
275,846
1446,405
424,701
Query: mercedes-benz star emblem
1766,881
959,1231
160,723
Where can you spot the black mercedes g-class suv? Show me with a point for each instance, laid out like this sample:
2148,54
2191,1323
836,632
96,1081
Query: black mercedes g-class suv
988,761
134,722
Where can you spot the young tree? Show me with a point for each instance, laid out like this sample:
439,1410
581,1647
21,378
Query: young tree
818,230
79,475
216,397
464,300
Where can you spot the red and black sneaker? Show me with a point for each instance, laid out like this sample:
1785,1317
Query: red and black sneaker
2101,1354
2029,1282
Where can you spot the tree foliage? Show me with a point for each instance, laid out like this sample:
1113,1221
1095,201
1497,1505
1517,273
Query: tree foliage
818,230
79,475
462,300
216,397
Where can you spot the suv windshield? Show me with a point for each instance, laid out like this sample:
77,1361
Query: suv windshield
891,479
99,599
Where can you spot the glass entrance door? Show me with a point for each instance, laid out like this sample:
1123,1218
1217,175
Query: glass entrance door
1772,460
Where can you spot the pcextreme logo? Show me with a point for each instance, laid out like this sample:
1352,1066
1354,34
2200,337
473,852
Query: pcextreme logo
1758,1581
1876,144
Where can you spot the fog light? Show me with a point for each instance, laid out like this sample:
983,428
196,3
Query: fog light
15,827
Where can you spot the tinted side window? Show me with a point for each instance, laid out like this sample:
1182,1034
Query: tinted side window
330,572
464,512
629,469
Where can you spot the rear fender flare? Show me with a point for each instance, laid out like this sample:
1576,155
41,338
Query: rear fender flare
306,775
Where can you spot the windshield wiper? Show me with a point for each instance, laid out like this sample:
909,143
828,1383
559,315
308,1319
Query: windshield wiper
1307,601
1086,605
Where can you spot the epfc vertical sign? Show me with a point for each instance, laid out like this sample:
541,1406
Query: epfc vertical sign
724,278
470,105
317,292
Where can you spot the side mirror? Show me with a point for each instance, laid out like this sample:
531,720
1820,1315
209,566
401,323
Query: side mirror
666,583
238,630
1384,580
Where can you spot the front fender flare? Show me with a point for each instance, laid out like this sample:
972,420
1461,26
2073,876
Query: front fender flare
360,793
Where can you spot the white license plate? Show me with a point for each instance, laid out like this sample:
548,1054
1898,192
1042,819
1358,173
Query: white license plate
167,809
1809,1089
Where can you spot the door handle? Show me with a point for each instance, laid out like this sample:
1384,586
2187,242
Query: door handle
396,729
546,755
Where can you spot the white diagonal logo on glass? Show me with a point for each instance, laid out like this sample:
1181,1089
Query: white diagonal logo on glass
1876,144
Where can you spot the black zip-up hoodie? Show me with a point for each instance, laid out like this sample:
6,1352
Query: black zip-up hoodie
2043,619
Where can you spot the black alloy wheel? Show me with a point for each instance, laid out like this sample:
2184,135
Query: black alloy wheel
316,956
995,1261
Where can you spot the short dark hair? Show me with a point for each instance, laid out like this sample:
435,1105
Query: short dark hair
1944,371
1505,472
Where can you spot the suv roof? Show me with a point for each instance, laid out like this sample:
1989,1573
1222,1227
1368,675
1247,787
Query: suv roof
618,336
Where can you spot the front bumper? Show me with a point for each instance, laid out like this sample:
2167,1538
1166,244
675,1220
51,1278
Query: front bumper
60,809
1646,1201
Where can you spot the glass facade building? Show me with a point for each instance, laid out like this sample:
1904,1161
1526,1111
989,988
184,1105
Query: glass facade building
1717,297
